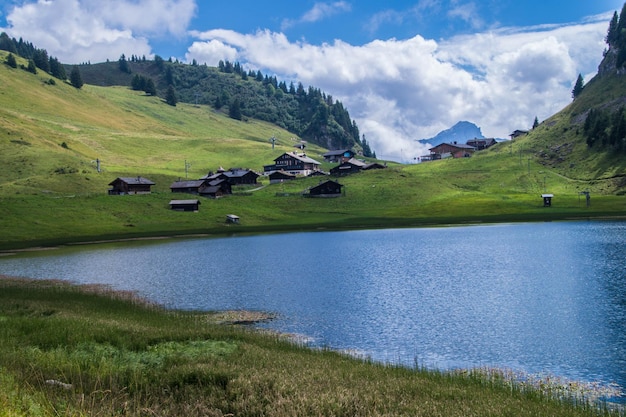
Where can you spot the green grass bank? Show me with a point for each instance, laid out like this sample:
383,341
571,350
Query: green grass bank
86,351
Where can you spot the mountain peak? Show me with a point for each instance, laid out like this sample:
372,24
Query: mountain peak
461,132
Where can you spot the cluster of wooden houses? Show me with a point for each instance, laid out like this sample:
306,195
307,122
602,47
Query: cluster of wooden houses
457,150
288,166
464,150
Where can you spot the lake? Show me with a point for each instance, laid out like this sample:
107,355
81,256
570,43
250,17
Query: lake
539,298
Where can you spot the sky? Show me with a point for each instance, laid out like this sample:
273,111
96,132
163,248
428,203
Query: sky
404,69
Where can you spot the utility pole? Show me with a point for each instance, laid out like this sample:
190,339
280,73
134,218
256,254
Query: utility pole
187,166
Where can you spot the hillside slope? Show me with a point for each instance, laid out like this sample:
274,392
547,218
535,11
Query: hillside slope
51,134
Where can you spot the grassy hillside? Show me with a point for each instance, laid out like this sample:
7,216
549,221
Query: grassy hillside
50,191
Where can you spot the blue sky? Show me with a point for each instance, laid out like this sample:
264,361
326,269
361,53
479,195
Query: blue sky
404,69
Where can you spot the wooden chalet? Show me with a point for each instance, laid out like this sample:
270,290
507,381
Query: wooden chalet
340,155
130,185
234,176
189,187
216,188
293,163
325,189
184,205
454,150
204,187
281,176
348,167
480,144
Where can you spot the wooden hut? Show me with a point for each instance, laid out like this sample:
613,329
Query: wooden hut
185,205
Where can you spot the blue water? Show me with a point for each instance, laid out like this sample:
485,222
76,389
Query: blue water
539,298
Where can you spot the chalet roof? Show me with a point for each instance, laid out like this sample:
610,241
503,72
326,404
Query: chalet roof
518,132
373,165
132,181
301,157
238,172
183,202
217,181
187,184
482,140
337,152
326,182
454,145
355,162
213,176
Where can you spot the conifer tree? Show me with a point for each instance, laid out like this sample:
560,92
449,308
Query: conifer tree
611,36
75,78
150,88
123,64
32,67
234,110
578,87
535,123
170,96
10,61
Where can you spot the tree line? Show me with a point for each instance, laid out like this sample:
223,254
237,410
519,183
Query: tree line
38,59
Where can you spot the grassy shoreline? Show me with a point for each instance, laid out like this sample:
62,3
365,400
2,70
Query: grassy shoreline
351,224
72,350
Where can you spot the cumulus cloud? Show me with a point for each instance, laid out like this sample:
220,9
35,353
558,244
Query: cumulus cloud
402,90
93,30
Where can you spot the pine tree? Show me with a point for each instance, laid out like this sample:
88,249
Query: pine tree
150,88
535,123
57,69
612,34
75,78
578,87
10,61
234,110
170,96
123,64
32,67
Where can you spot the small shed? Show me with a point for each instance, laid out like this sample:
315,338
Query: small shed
185,205
232,218
547,199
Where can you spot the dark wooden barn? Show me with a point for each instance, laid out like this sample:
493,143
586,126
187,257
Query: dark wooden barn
130,185
327,188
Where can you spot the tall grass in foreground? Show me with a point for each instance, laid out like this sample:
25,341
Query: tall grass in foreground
74,351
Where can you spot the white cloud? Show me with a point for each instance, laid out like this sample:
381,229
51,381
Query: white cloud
402,90
468,13
319,12
93,30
